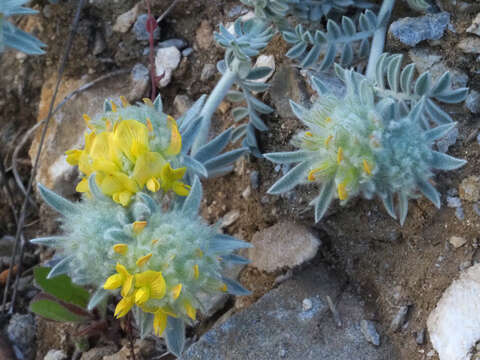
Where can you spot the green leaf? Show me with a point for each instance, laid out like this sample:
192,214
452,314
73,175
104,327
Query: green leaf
53,309
61,287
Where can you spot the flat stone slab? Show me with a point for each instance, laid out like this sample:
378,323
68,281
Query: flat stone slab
278,326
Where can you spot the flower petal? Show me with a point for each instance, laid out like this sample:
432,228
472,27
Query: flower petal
159,322
124,306
175,138
113,282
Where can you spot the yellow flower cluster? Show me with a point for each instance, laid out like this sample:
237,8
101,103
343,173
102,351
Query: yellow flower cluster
139,288
123,162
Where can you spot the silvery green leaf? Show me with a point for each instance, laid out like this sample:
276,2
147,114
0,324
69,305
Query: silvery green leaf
214,147
195,166
445,162
423,84
322,202
347,54
328,58
60,204
348,26
289,157
453,96
437,114
290,37
222,67
297,109
290,179
259,72
393,72
429,192
149,201
311,57
220,171
144,322
402,207
239,132
364,48
98,296
363,23
235,96
225,244
406,78
439,131
225,159
420,5
259,106
175,335
190,134
320,37
158,104
333,30
22,41
257,122
297,51
193,201
62,267
116,235
417,111
235,259
255,86
239,113
372,19
319,86
107,106
94,189
442,84
140,211
388,203
380,70
51,241
192,115
234,288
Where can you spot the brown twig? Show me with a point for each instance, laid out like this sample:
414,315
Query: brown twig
130,335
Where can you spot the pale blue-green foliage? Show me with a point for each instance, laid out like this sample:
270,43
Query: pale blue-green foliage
13,37
246,41
174,237
403,159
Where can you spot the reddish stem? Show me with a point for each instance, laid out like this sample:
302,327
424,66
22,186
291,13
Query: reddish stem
151,25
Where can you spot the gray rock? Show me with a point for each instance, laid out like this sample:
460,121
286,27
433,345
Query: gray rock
370,332
475,27
140,29
420,338
472,102
470,45
182,103
399,319
307,304
254,180
6,245
284,245
140,78
457,241
98,353
55,355
208,72
448,140
21,332
236,11
99,44
287,84
276,327
469,189
180,44
166,61
229,218
411,31
126,20
453,202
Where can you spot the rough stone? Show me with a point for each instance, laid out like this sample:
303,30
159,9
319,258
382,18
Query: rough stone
475,27
470,45
469,189
140,78
276,327
420,337
126,20
204,35
182,103
229,218
6,245
55,355
67,127
140,29
472,102
457,241
98,353
208,72
426,59
411,31
254,179
285,244
21,332
180,44
454,325
166,61
187,52
287,84
399,319
370,332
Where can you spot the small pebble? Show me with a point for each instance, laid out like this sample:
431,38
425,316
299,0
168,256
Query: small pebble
254,179
459,213
140,29
420,338
370,332
307,304
187,52
229,218
453,202
399,319
457,241
180,44
247,192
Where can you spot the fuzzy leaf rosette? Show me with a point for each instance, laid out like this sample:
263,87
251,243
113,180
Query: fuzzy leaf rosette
356,146
159,261
130,148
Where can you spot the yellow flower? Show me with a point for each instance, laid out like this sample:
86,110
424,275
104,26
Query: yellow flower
150,285
170,180
191,311
159,322
121,279
124,306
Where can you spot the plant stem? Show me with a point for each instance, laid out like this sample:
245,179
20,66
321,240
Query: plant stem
215,98
378,42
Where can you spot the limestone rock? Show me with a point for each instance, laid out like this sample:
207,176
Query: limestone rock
285,244
166,61
475,27
469,189
470,45
125,21
287,84
454,325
